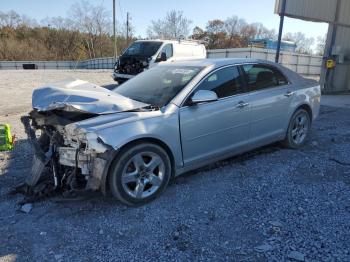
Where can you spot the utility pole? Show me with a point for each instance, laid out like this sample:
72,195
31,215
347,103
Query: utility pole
280,31
127,28
114,35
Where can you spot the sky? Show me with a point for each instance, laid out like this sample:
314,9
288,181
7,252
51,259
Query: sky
199,11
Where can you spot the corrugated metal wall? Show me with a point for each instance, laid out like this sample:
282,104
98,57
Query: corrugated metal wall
317,10
344,12
337,79
313,10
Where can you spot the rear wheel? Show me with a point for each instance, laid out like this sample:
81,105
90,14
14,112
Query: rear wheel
140,173
298,129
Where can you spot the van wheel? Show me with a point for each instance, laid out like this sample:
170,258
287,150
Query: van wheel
298,129
140,173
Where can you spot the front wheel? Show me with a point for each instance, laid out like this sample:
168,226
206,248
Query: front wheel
298,129
140,173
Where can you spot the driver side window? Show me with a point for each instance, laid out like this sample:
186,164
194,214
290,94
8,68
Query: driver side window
224,82
168,50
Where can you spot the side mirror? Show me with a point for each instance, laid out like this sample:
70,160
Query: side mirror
202,96
161,57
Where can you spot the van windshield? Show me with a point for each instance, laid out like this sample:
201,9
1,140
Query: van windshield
158,85
146,49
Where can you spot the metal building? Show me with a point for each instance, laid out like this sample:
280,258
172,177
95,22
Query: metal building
335,75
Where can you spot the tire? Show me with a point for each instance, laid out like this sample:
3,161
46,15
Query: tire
298,129
140,173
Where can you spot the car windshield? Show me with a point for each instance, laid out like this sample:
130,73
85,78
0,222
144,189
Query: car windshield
146,49
157,86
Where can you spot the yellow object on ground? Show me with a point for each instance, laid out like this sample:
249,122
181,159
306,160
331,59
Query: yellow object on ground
6,139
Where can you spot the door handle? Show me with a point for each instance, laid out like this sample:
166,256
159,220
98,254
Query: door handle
242,104
289,93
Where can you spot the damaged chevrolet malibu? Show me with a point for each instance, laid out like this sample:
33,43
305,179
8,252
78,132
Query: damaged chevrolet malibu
130,141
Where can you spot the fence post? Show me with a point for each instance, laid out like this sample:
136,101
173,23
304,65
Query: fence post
309,65
297,64
281,55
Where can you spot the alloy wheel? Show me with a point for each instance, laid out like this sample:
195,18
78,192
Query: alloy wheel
143,175
300,128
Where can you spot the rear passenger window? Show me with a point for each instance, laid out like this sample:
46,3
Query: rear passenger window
224,82
263,76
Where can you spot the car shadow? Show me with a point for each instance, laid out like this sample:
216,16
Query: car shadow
19,161
240,159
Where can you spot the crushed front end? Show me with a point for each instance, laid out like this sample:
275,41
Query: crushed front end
66,161
69,158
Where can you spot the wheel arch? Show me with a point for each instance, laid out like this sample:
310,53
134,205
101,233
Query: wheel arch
116,153
307,108
304,106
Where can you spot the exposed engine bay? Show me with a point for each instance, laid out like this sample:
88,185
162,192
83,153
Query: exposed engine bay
131,65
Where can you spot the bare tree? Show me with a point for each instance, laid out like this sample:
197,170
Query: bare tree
216,33
304,44
94,21
175,25
321,45
58,22
198,33
263,32
10,19
233,26
126,30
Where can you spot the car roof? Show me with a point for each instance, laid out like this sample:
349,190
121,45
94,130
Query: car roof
215,62
167,41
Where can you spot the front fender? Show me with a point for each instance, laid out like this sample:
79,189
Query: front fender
164,128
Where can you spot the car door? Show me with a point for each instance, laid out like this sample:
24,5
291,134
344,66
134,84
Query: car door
214,128
269,101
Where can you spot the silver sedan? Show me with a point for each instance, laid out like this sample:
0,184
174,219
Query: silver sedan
166,121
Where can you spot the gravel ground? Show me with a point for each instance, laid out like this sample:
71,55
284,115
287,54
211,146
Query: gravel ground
272,204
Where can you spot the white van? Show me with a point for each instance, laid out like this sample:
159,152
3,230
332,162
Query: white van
144,54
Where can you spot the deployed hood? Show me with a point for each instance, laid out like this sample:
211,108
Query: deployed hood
76,95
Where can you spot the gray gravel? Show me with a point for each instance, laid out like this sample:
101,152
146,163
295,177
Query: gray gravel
273,204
